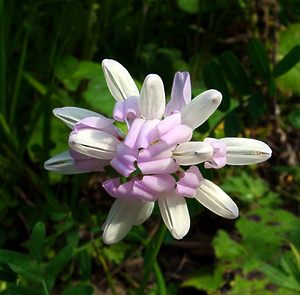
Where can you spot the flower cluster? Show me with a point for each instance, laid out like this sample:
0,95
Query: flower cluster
149,145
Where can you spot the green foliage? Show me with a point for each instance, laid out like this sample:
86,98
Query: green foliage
206,279
251,190
72,73
289,39
235,73
214,78
259,57
190,6
37,240
116,253
251,257
79,290
294,118
288,62
32,267
226,248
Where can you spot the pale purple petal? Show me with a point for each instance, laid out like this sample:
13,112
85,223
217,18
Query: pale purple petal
168,124
124,160
180,134
141,192
218,159
181,92
127,110
99,123
148,134
188,182
134,188
162,166
87,164
152,185
118,190
159,150
133,133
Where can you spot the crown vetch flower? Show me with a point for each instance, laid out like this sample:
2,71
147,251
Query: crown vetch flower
153,152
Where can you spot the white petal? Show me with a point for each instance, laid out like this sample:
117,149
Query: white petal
216,200
121,217
144,213
62,163
152,98
244,151
94,143
119,81
192,153
201,108
71,115
175,214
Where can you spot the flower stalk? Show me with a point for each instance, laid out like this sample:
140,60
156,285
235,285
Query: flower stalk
150,258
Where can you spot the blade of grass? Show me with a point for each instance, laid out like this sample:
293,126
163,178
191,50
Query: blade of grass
18,80
7,133
37,110
37,85
2,60
47,107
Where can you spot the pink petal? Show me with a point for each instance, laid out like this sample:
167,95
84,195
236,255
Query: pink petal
169,123
181,92
118,190
86,163
218,159
159,150
142,192
162,166
180,134
124,160
99,123
127,109
133,133
148,134
158,183
189,181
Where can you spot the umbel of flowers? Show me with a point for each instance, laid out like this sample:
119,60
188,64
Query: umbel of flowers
152,152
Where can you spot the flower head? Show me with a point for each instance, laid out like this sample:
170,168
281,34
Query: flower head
152,151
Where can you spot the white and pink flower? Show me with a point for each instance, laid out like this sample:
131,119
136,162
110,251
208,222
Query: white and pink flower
154,157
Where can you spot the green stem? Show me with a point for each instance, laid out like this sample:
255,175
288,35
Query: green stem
45,288
162,290
151,255
108,275
105,267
